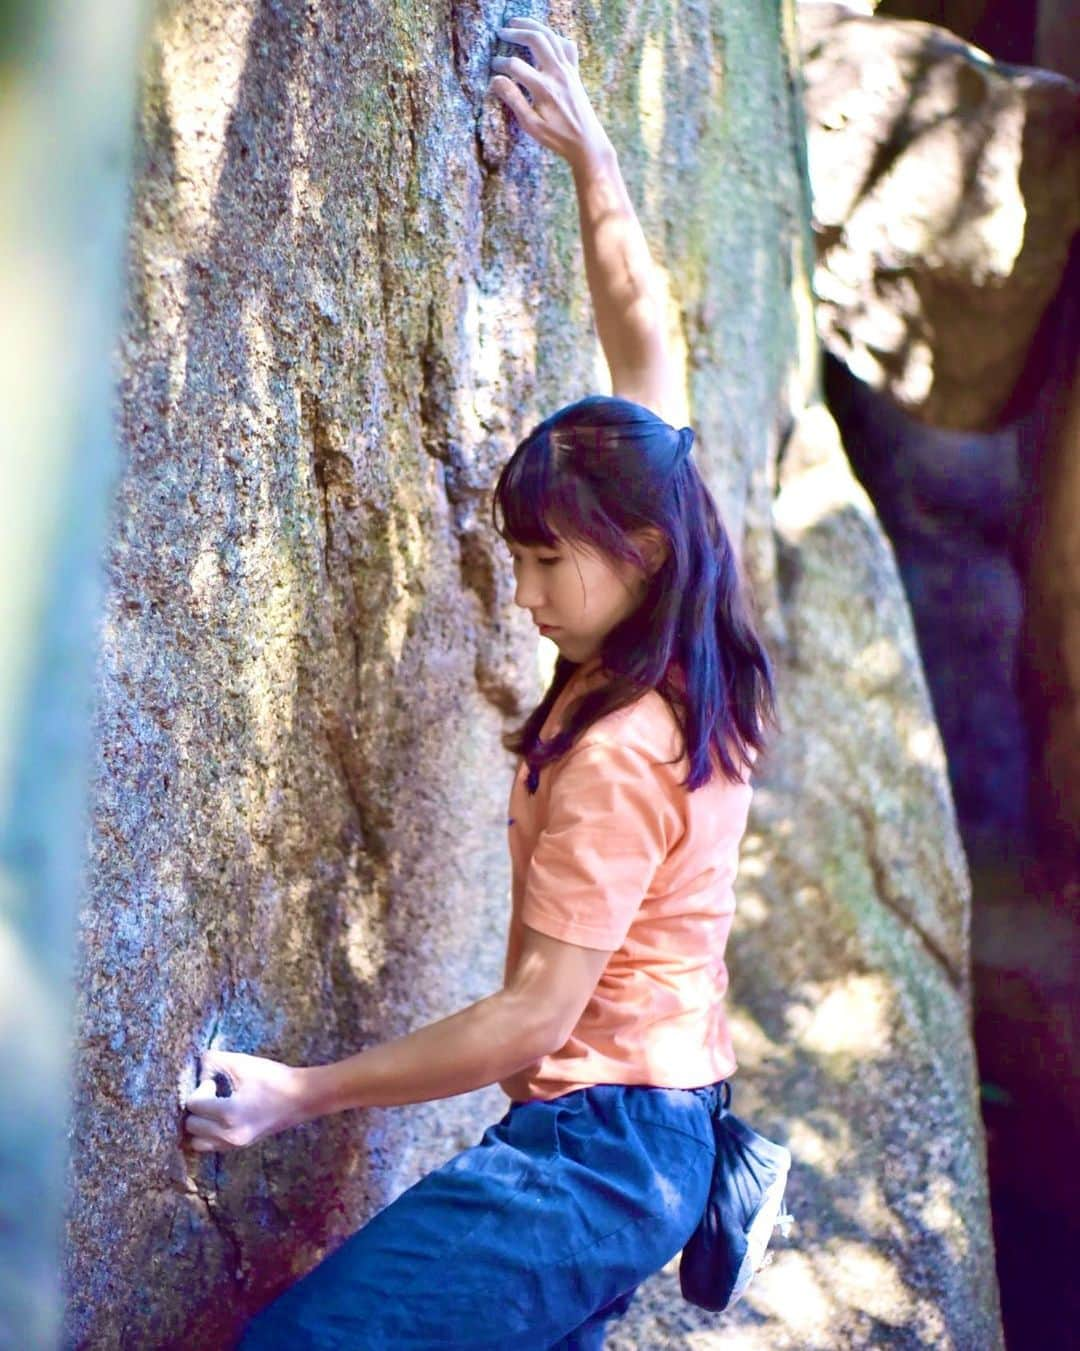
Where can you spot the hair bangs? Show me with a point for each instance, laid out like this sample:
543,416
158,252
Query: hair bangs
538,505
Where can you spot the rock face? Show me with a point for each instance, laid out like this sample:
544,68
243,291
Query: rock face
945,196
351,289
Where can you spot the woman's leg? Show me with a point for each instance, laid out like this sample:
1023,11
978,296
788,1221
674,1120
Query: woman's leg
559,1211
590,1335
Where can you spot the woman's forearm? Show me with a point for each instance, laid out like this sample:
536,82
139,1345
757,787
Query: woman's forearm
627,299
477,1046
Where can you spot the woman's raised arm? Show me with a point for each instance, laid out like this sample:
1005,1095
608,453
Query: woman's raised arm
626,294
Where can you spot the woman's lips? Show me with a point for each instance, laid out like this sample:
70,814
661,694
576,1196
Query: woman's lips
547,628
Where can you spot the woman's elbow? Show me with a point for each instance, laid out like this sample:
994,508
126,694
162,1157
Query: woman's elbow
538,1030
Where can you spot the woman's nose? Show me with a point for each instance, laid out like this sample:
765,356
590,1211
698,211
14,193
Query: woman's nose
527,594
524,598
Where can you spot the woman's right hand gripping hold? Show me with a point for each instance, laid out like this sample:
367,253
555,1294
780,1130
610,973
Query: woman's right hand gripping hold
626,293
560,115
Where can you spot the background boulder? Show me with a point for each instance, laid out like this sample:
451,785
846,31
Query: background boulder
946,194
983,523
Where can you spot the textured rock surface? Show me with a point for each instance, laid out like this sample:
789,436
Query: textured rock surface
946,190
350,292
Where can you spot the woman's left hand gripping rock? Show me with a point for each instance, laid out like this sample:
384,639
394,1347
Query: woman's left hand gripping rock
241,1099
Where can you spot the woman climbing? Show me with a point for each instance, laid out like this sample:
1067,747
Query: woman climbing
626,813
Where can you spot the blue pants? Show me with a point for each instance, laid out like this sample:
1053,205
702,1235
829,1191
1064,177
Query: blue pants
533,1238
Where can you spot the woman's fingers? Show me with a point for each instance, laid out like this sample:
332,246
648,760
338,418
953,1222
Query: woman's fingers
209,1121
541,42
557,112
524,21
201,1128
203,1136
519,105
569,46
264,1097
203,1102
220,1135
522,72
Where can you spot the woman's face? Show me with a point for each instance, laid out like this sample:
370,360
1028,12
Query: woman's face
580,594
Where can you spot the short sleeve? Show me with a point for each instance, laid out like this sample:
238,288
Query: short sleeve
610,823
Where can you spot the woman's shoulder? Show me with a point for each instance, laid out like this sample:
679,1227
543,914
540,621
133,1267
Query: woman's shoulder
650,727
647,725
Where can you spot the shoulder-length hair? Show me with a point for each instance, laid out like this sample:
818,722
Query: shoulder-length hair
592,473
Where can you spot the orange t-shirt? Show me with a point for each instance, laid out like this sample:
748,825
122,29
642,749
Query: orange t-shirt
612,852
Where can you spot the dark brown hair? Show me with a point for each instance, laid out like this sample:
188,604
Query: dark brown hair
594,472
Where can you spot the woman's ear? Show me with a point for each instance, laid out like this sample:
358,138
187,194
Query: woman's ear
653,544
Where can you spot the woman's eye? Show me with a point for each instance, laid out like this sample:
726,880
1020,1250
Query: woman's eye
547,562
